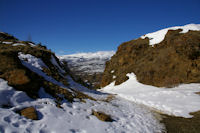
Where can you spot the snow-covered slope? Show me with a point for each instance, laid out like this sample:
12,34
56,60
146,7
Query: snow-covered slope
178,101
74,117
158,36
88,62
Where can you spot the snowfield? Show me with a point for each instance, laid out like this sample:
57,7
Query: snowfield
74,117
158,36
178,101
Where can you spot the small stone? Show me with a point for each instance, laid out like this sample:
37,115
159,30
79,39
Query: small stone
29,113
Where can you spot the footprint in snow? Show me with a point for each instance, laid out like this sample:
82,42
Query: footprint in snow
7,119
15,124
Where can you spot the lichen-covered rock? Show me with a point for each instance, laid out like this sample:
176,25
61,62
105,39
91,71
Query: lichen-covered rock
173,61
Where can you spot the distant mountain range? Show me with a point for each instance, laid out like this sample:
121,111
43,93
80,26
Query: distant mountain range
87,67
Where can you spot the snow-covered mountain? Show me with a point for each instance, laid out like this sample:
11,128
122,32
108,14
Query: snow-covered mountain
87,66
89,63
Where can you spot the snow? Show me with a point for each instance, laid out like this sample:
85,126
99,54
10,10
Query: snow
35,62
112,71
91,55
32,44
54,62
76,117
158,36
18,44
89,63
8,96
35,65
7,42
178,101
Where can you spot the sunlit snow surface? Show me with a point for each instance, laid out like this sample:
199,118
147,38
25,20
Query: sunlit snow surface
178,101
18,44
76,117
158,36
32,60
7,42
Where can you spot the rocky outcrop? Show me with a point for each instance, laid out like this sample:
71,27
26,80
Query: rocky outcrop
174,60
29,67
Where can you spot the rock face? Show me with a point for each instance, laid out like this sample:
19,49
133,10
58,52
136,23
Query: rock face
175,60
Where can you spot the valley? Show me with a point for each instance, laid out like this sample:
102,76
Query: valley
149,85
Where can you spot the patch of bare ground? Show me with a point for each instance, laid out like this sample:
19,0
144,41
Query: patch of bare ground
102,116
182,125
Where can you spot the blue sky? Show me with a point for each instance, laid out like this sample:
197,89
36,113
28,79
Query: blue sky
71,26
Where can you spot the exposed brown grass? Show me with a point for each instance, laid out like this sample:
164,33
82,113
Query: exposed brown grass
17,77
182,125
198,93
102,116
